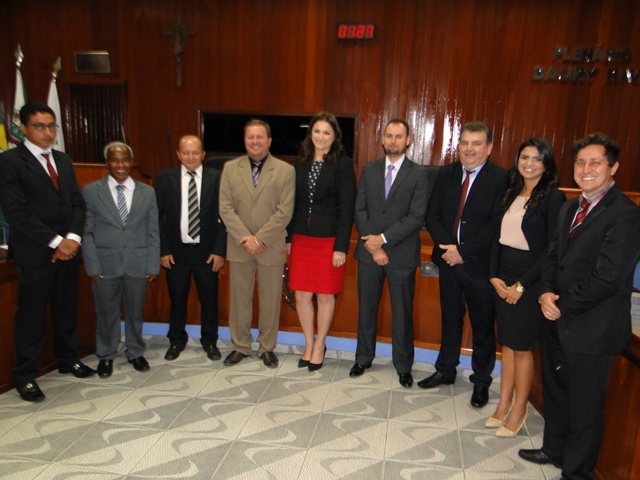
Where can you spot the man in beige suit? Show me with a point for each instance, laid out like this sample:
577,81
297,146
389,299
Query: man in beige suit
256,204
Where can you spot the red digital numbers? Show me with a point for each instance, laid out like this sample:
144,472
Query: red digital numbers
356,31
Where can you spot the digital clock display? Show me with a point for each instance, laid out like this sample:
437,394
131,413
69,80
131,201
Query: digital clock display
356,31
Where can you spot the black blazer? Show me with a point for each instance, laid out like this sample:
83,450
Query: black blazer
35,210
538,226
213,238
479,218
333,199
593,274
400,217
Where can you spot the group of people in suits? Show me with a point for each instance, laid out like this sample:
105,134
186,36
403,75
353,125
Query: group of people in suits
507,247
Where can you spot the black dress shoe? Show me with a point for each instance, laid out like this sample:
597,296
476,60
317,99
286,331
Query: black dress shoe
30,392
79,370
269,359
234,357
140,364
406,379
539,457
213,352
480,396
105,368
358,369
173,352
435,381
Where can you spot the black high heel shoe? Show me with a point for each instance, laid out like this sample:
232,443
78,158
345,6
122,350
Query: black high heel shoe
303,363
317,366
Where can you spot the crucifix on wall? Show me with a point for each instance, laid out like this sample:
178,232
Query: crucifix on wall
179,35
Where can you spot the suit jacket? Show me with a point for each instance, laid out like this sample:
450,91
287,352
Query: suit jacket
333,201
264,211
169,196
400,216
479,218
35,210
538,226
113,249
593,274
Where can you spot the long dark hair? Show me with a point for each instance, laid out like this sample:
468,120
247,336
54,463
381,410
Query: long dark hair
307,149
515,181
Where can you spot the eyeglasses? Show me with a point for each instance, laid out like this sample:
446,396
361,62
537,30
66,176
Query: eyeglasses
41,127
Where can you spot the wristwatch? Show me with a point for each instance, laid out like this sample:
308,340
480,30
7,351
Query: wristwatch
519,287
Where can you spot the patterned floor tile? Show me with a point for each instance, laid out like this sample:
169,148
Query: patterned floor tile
252,461
231,385
43,437
182,456
58,471
296,393
357,400
439,447
401,471
222,420
329,466
19,468
176,380
350,435
489,457
10,417
148,409
280,426
419,406
87,401
111,448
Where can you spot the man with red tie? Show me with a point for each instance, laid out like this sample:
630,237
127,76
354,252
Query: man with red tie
45,209
587,279
462,219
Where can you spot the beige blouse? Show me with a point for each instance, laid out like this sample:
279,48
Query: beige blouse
511,228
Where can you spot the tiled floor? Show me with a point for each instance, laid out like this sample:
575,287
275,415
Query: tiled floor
196,419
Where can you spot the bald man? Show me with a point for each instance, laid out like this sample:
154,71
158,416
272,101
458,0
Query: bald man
192,243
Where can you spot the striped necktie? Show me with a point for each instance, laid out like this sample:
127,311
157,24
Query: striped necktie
463,199
255,173
122,204
194,208
583,209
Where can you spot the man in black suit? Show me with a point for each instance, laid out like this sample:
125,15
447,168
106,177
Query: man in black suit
390,205
40,197
462,219
586,288
192,242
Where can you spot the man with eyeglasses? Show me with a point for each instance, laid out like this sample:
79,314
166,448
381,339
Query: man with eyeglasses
40,197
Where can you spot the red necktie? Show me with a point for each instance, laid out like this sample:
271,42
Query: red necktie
52,171
463,198
582,212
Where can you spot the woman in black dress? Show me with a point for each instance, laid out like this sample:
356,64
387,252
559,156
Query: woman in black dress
529,211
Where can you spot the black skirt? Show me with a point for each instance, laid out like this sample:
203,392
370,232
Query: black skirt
519,325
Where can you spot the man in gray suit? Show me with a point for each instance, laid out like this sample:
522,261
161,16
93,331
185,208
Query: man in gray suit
121,250
256,204
389,212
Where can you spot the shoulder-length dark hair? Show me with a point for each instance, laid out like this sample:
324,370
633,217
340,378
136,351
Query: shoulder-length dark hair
307,149
515,181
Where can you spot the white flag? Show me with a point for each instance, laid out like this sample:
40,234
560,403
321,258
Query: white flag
15,134
54,103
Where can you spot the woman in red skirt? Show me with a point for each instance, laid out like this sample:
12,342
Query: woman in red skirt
320,230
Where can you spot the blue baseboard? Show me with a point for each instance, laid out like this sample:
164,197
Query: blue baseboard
335,343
